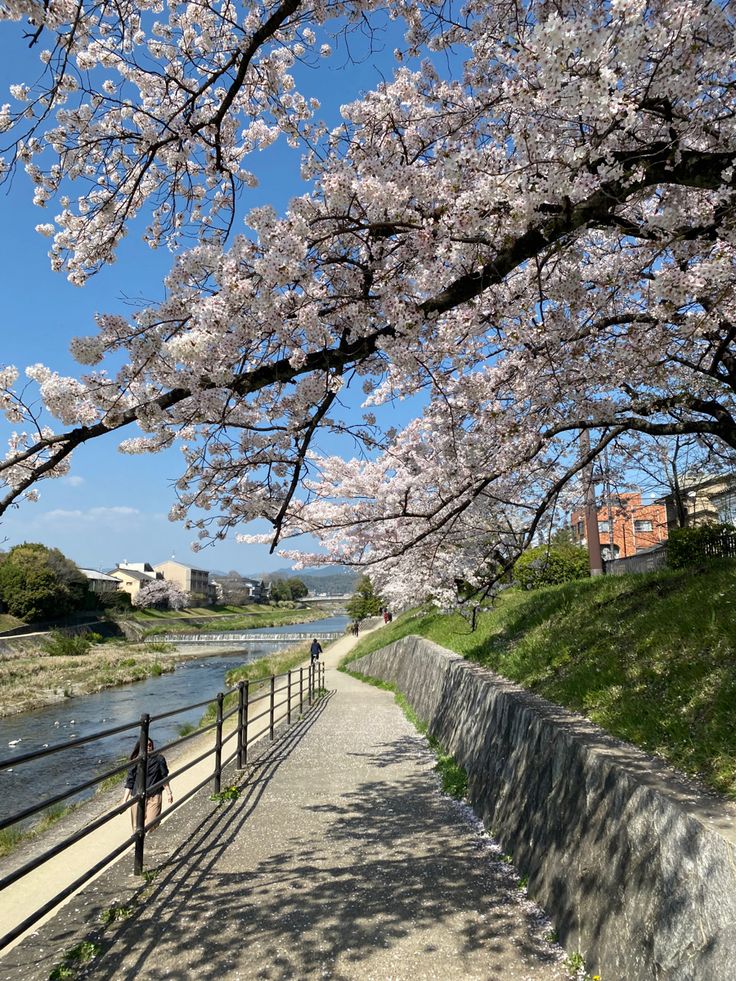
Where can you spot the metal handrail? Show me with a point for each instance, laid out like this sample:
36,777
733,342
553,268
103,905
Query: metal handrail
314,681
184,708
57,798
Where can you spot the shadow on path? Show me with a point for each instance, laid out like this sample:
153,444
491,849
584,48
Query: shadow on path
386,869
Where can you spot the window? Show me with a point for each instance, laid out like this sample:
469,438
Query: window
609,552
643,526
604,526
726,505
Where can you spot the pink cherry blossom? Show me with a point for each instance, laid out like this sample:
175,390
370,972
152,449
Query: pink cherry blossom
532,226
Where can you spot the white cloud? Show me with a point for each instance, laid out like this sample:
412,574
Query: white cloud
74,481
91,514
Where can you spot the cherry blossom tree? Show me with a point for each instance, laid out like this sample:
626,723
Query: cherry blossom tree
531,222
161,594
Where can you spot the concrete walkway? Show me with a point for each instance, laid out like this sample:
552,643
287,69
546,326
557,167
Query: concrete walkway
341,859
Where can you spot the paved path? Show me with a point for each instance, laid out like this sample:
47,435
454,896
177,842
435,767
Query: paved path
341,860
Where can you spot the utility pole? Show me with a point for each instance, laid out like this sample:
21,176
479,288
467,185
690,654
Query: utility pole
591,510
611,526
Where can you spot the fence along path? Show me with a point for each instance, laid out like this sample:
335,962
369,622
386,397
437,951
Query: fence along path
24,897
340,859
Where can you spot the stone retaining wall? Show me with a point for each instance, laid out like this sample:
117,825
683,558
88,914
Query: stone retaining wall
637,870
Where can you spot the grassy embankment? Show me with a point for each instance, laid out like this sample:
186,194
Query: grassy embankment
651,658
9,623
224,618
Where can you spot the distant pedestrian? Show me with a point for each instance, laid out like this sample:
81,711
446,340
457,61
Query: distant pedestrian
315,650
157,772
356,628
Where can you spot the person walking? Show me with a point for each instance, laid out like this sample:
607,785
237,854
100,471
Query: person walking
314,651
157,773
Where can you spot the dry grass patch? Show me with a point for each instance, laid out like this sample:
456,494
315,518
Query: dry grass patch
30,679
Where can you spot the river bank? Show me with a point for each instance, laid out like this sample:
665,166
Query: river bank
31,677
36,680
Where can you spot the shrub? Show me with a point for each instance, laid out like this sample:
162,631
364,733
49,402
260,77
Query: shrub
548,565
159,647
688,546
60,644
119,600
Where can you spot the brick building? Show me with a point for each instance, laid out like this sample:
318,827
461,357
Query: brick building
625,525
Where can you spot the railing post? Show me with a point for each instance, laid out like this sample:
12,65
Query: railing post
310,683
140,789
246,709
301,691
273,691
241,712
218,743
288,699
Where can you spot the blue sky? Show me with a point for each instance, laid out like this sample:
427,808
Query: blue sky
114,507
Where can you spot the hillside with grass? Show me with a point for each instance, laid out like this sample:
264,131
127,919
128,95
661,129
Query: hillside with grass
651,658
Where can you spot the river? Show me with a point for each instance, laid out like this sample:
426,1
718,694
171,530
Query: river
196,678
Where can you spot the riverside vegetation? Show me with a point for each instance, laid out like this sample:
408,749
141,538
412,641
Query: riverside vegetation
650,658
43,670
224,618
34,676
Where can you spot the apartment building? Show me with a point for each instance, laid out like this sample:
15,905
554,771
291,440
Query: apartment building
711,500
187,578
626,525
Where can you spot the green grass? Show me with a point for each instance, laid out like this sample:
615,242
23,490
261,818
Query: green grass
248,618
116,913
650,658
278,663
8,622
257,671
74,959
10,838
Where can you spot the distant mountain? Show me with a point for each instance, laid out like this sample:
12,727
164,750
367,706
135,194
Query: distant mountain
333,580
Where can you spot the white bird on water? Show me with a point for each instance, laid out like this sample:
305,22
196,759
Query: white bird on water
14,742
